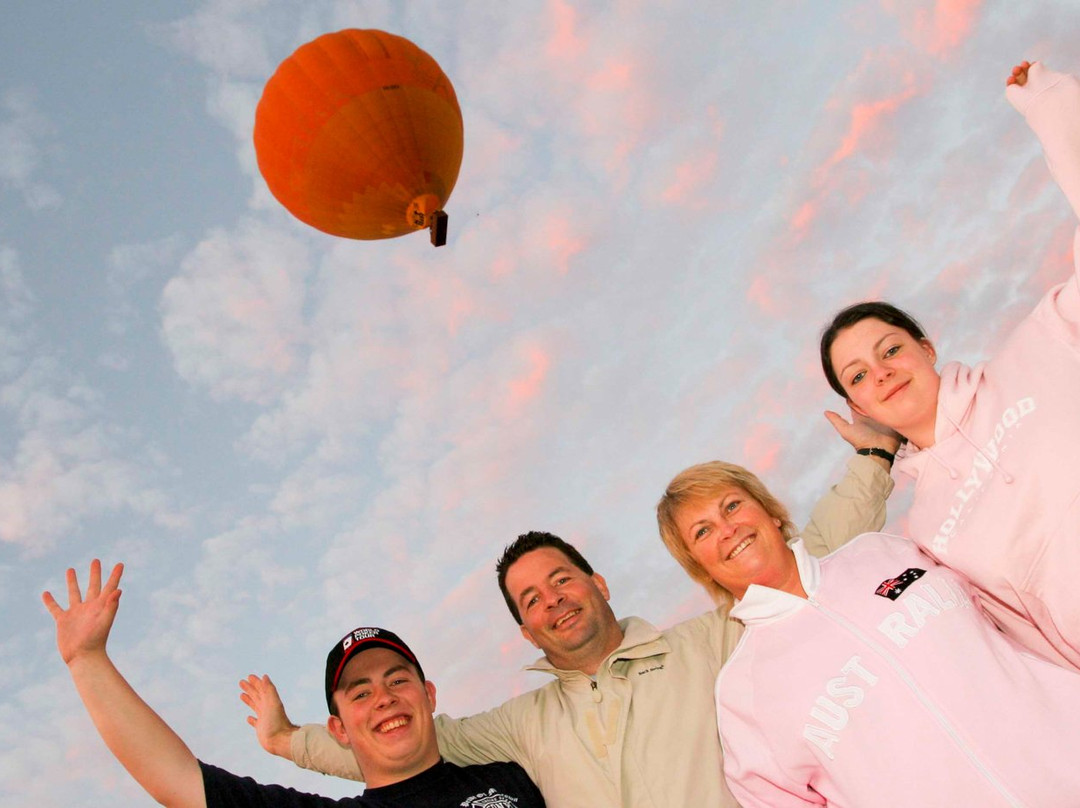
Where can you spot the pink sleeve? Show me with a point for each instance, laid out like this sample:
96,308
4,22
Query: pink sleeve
1050,102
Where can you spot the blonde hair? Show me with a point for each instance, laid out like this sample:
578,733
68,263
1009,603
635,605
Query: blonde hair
705,481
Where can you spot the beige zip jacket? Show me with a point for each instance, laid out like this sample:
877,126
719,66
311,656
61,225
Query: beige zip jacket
642,733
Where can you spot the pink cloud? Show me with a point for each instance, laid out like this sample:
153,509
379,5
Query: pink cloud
804,216
692,177
527,386
866,131
953,22
503,265
957,276
763,294
565,42
865,121
614,76
562,242
761,448
453,302
940,29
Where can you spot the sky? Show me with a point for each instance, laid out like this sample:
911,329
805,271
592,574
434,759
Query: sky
285,434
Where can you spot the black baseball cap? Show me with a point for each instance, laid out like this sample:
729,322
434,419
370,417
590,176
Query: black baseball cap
357,640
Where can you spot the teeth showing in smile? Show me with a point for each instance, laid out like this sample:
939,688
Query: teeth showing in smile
566,617
740,547
393,723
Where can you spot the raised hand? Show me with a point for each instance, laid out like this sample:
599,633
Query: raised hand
83,628
272,726
863,433
1019,75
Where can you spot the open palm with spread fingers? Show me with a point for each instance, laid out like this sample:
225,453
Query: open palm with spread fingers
83,627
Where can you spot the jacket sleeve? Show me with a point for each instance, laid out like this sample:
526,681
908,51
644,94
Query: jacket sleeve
487,737
482,738
313,747
1050,102
854,506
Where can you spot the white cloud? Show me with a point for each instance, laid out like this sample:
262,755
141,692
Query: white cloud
219,37
130,266
25,138
16,306
66,465
233,316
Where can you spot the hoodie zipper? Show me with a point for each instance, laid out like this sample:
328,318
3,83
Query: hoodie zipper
921,695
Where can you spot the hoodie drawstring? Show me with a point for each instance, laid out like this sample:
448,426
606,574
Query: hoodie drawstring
953,473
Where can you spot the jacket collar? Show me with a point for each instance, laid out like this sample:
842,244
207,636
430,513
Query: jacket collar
641,640
763,604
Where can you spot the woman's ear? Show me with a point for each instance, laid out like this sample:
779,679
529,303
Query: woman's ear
856,409
928,346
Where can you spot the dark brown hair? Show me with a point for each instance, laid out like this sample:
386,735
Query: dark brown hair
886,312
526,543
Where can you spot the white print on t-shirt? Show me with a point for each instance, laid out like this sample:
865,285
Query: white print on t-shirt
981,469
490,800
832,710
936,597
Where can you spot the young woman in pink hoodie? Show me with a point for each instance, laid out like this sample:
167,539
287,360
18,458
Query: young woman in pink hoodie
994,447
870,677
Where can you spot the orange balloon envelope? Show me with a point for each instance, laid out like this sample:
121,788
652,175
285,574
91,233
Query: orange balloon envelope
359,134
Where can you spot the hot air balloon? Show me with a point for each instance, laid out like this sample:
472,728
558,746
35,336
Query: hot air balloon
359,134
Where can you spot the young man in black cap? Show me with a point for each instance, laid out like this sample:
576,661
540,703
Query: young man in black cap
380,704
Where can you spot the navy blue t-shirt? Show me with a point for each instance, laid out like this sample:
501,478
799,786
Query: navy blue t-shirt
444,785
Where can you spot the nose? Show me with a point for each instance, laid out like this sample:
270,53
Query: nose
552,598
725,526
384,697
882,373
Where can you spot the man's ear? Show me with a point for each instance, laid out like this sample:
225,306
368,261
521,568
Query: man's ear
528,636
429,686
601,584
336,727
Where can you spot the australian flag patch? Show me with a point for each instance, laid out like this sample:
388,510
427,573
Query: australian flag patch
894,587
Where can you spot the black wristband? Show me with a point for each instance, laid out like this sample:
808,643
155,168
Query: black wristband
876,452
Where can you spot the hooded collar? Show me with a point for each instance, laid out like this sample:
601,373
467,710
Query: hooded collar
956,398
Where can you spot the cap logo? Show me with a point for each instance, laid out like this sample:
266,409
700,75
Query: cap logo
357,636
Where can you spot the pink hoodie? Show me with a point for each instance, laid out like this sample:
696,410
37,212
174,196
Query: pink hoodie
998,494
890,687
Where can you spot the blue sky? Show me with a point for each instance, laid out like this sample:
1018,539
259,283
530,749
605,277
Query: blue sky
285,435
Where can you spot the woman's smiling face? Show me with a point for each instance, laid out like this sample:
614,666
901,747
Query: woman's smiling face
737,542
889,376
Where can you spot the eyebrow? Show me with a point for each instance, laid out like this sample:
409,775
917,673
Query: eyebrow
365,680
528,589
722,498
876,344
